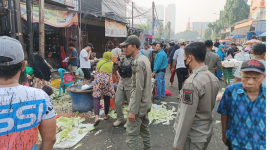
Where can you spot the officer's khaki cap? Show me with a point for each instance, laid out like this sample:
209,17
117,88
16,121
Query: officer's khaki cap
132,39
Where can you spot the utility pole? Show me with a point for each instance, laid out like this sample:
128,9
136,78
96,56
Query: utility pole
30,33
132,14
153,17
41,28
12,19
80,28
19,26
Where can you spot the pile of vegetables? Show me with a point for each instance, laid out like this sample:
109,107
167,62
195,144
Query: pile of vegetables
159,115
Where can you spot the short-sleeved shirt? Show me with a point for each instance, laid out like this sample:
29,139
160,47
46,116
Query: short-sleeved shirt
147,53
74,62
237,72
22,109
79,73
83,62
246,128
179,56
231,51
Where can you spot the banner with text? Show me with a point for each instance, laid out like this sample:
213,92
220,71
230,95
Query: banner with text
115,29
52,17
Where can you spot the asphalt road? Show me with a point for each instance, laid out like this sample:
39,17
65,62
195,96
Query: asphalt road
162,136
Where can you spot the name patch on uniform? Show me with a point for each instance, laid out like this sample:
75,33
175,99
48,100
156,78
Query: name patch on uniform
188,97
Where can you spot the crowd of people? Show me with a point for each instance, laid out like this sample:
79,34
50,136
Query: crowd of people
26,110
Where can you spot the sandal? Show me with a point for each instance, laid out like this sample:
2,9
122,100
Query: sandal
96,123
178,97
107,117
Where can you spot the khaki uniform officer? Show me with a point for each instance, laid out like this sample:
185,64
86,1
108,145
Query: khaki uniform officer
140,100
123,90
193,123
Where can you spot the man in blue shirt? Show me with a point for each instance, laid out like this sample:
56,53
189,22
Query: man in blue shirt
159,70
73,58
243,109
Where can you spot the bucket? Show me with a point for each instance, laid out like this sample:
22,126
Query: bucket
82,101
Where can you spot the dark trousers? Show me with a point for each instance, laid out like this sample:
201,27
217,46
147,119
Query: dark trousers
97,104
229,144
182,75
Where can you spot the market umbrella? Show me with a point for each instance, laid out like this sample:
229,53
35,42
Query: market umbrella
253,41
237,36
263,35
228,38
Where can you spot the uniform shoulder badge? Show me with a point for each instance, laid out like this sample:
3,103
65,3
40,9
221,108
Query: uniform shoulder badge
188,97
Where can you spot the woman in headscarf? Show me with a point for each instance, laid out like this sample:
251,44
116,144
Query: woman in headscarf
217,44
116,54
222,56
41,72
170,62
103,85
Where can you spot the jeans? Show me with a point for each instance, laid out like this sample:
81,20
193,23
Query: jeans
160,77
182,75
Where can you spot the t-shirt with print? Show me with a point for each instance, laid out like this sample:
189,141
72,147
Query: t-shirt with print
83,62
237,71
179,56
74,62
22,109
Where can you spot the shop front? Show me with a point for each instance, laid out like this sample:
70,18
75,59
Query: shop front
115,33
61,27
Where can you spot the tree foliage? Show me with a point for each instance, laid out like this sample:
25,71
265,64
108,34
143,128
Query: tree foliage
160,31
207,34
189,35
144,26
168,31
234,11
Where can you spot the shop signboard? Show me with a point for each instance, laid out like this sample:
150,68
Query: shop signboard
52,17
115,29
65,2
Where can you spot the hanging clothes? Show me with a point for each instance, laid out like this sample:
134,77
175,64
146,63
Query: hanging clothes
63,57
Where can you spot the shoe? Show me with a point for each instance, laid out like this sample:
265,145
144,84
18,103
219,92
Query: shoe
125,126
118,123
157,98
178,97
163,96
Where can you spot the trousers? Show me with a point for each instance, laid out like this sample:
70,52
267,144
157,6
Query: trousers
161,87
182,75
120,97
134,129
197,145
106,103
172,74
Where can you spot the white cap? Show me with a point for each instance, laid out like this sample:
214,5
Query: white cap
181,41
10,48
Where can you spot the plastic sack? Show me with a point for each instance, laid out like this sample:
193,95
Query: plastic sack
168,92
68,78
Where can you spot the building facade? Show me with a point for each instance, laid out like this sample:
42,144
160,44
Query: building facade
170,15
160,13
200,27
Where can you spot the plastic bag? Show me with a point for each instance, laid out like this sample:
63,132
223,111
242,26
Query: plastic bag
68,78
168,92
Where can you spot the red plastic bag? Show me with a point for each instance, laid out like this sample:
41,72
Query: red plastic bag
168,92
68,78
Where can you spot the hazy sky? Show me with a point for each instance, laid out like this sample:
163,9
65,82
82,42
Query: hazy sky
196,10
